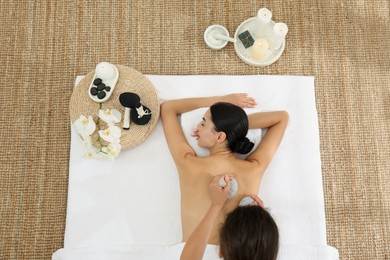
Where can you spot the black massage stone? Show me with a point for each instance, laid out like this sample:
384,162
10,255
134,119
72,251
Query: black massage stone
101,86
108,89
101,94
97,81
94,91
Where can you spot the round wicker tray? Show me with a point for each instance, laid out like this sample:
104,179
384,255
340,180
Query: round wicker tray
130,80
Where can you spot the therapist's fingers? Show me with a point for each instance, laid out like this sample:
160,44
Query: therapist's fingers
226,177
257,200
223,182
219,193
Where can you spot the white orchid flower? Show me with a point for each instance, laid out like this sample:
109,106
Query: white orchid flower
110,116
87,140
84,126
111,134
89,155
112,149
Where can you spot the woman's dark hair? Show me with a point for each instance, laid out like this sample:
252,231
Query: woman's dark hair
233,121
248,233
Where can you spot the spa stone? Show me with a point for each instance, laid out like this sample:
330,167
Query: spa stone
97,81
101,86
246,201
233,186
101,94
94,91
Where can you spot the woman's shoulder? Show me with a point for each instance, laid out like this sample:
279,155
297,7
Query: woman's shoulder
249,166
190,160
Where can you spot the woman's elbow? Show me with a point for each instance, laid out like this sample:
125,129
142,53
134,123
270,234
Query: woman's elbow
164,105
165,108
284,115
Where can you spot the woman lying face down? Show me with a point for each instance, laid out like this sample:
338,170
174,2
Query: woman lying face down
222,130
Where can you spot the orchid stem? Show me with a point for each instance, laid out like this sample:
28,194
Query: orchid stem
98,128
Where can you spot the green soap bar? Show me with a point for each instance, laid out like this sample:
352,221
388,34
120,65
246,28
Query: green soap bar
246,39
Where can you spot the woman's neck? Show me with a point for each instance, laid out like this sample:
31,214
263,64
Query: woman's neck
220,151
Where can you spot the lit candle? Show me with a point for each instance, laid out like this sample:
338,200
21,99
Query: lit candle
259,49
263,25
277,36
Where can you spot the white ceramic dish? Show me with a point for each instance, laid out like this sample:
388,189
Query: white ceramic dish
245,53
109,82
211,36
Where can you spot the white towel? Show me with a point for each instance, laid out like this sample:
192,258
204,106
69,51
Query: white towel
290,252
135,200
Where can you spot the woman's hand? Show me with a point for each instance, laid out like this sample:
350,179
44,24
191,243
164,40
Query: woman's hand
219,194
240,99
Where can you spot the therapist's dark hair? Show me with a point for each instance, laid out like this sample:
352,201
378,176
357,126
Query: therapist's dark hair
233,121
248,233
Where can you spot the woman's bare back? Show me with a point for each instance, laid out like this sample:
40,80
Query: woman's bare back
196,175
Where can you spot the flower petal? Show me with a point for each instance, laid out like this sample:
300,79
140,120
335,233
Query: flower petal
112,134
112,149
84,126
89,155
110,116
117,116
87,140
90,127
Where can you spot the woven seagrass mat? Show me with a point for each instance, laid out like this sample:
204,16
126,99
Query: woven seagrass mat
45,44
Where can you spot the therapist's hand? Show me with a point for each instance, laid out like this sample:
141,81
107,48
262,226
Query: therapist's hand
219,194
257,200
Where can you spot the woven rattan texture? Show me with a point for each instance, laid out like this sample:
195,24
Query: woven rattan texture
45,44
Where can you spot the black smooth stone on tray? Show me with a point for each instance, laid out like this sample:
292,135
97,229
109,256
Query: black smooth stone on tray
101,94
108,89
97,81
101,86
94,91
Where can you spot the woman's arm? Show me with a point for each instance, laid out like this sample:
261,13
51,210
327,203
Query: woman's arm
174,135
197,242
170,110
276,122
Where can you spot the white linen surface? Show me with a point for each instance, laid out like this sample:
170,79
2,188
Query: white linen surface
291,252
131,206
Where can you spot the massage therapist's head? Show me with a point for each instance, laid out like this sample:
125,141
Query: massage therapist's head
225,122
248,233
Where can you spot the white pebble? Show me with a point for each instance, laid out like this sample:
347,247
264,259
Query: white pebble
246,201
233,186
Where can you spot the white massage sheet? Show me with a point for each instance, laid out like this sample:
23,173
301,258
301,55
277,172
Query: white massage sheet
130,208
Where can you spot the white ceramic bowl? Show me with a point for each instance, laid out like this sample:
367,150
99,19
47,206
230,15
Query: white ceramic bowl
210,39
